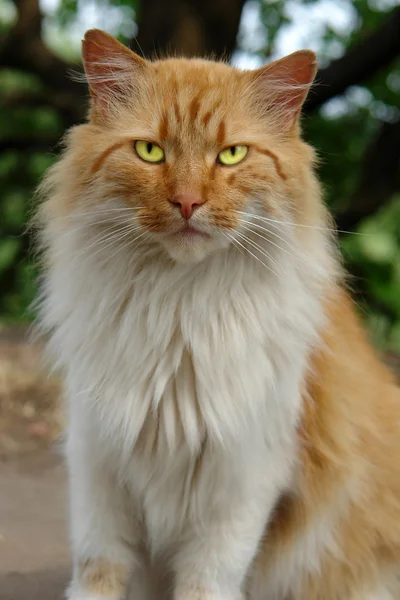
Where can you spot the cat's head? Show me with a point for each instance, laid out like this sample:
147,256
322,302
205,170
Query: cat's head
192,151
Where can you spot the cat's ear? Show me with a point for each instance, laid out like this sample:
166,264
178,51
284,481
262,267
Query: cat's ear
284,85
111,68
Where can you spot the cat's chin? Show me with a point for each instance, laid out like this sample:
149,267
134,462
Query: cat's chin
192,251
179,255
184,254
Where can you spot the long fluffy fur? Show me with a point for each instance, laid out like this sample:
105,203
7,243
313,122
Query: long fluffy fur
227,419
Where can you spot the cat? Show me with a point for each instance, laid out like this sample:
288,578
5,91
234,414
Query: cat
232,433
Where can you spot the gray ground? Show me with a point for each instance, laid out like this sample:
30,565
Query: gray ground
34,557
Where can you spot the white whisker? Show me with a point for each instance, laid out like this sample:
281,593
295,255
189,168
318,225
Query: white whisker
113,227
284,222
253,255
100,244
285,241
74,215
257,247
280,247
232,240
126,245
117,224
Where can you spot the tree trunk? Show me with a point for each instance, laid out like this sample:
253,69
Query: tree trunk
196,28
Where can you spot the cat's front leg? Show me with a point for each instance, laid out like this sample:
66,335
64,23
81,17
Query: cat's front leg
233,511
214,564
98,579
102,534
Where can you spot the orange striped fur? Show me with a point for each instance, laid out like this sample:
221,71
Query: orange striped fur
335,531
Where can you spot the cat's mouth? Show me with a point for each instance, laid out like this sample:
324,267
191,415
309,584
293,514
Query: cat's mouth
189,232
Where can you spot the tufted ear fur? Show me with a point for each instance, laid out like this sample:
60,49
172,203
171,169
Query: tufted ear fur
282,87
111,69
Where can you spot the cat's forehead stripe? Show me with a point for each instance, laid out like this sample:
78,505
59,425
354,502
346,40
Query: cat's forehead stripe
163,127
275,159
221,133
194,108
197,117
177,112
207,117
100,159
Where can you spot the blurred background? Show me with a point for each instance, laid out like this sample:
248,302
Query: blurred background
352,115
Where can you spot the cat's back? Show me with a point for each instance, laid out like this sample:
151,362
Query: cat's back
342,521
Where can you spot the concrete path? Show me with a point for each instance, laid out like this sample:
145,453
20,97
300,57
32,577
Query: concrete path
34,554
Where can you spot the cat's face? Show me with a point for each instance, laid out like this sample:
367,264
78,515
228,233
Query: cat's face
190,145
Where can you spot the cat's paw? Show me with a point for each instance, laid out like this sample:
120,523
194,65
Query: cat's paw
198,593
91,597
98,579
80,594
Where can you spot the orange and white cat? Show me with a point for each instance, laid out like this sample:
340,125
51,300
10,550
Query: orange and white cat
231,433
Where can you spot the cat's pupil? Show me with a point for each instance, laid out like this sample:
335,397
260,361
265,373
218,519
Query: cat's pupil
233,150
149,147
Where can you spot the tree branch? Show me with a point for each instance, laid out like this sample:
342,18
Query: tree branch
359,64
29,21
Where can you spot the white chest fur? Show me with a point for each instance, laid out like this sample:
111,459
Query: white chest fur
161,358
206,345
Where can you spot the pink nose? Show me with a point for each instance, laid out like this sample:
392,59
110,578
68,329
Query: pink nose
187,203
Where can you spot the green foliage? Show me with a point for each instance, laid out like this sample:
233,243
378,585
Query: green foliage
19,175
340,142
273,16
374,254
21,167
340,131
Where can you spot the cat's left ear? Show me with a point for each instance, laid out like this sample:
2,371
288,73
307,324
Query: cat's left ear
112,70
284,85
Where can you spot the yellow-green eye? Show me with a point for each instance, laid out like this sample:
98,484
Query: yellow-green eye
149,152
232,155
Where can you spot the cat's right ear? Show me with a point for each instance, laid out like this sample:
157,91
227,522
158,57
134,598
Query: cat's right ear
111,69
282,87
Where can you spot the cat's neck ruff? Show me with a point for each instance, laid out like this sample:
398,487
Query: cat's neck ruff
211,341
